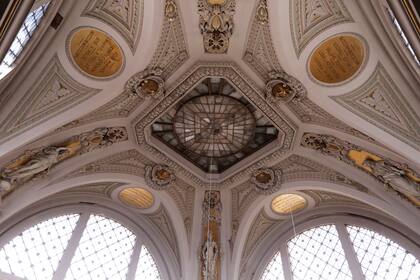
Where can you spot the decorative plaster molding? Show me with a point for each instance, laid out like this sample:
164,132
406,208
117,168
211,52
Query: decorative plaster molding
163,223
37,163
53,93
104,189
172,50
125,16
259,53
309,18
295,168
183,195
380,102
396,177
187,83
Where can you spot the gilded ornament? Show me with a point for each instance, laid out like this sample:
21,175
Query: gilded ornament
95,52
216,24
262,12
136,197
395,176
148,83
38,162
284,88
266,180
337,59
159,176
171,10
288,203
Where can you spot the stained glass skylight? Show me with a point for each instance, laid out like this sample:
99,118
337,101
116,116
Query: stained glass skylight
25,33
214,126
35,253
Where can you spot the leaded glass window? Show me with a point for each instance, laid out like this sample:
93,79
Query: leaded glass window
317,254
321,253
382,258
35,253
78,246
25,33
146,268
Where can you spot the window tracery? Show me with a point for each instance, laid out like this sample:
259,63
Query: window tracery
79,246
32,21
321,253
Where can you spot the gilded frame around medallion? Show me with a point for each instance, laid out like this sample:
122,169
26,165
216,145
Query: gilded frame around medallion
366,56
79,69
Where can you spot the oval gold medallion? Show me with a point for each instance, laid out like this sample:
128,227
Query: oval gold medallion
288,203
95,53
337,59
136,197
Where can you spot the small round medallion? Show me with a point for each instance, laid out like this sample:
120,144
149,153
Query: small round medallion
288,203
149,87
136,197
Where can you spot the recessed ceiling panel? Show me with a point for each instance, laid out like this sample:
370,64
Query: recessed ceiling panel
214,126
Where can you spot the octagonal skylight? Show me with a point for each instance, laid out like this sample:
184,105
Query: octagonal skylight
214,126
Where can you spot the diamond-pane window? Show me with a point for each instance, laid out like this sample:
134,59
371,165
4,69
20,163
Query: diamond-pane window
146,268
25,33
382,258
317,254
36,252
274,270
104,251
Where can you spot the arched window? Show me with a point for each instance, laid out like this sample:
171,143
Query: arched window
78,246
25,33
341,251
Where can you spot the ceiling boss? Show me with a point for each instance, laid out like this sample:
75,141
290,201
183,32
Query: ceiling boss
216,24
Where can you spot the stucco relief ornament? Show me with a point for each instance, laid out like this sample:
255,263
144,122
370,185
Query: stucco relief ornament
159,177
146,84
266,180
36,163
171,10
209,254
395,177
283,88
216,24
262,12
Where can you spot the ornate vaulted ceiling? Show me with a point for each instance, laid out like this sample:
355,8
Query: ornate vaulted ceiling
249,99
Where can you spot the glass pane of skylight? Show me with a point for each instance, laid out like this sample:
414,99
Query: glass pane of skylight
317,254
146,268
274,270
382,258
34,254
25,32
104,251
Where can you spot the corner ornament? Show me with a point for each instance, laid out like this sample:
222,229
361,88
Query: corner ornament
395,176
216,24
282,88
38,162
266,180
159,177
146,84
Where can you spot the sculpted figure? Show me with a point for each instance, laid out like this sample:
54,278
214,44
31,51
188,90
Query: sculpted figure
394,177
39,163
209,255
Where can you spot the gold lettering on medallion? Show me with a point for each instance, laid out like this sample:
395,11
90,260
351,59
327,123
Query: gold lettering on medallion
337,59
96,53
